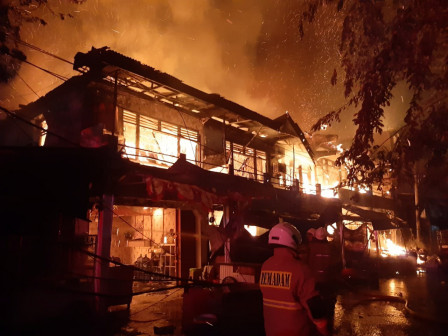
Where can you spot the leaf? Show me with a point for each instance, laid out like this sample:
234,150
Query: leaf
18,54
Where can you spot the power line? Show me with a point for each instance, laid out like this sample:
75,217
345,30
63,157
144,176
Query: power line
16,116
29,45
185,124
22,130
174,278
29,87
62,78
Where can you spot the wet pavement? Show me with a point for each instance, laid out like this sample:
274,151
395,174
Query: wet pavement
402,305
408,305
161,310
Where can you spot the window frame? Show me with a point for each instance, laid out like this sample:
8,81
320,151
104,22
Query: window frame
157,127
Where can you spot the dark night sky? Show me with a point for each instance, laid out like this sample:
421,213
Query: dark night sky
247,51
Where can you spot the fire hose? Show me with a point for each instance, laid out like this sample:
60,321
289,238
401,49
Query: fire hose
369,296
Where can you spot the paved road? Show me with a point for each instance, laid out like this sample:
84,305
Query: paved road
418,305
363,312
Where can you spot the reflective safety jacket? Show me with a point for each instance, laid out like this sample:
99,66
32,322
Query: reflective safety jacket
286,284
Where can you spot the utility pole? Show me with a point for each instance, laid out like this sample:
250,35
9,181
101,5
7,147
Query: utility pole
416,202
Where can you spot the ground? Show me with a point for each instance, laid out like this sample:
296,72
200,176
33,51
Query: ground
402,304
412,304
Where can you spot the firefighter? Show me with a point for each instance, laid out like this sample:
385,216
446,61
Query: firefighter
291,304
310,234
325,263
320,256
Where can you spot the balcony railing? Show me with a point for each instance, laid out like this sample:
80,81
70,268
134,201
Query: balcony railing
163,160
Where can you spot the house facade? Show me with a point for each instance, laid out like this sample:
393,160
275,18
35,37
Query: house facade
181,164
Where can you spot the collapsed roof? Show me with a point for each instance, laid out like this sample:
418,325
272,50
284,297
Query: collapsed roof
132,76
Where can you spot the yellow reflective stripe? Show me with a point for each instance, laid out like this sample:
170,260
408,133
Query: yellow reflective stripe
282,304
280,307
280,301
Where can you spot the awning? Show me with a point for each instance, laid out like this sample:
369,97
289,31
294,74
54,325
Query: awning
184,181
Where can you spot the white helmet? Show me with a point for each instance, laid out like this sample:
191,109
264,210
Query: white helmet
285,234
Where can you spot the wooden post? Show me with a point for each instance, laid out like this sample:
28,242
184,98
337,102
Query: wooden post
341,233
377,244
232,164
293,163
178,256
103,250
226,214
199,215
318,189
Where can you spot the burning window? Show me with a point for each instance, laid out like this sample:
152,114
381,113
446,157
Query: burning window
247,162
391,243
153,142
294,167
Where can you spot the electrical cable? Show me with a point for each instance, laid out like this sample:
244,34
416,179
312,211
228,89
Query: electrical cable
137,230
185,124
16,116
185,282
173,278
29,87
20,128
62,78
29,45
99,294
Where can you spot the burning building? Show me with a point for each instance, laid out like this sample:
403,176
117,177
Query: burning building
137,167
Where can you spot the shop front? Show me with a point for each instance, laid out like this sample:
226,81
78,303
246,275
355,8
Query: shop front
143,236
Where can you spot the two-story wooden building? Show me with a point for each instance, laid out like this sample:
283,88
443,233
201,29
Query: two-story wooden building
181,164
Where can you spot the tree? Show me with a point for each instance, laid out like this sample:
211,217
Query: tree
13,13
384,43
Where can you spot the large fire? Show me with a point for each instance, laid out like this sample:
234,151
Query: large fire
392,249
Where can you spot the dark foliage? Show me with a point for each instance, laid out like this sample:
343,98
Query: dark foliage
12,15
384,43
